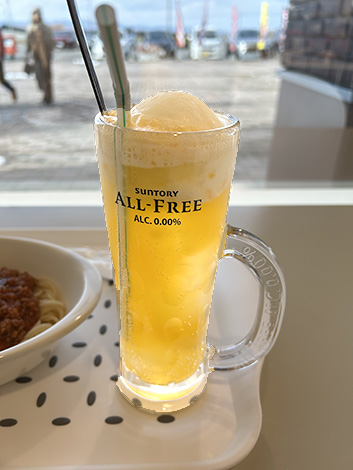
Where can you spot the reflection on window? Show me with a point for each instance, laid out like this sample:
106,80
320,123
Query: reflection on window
319,40
313,138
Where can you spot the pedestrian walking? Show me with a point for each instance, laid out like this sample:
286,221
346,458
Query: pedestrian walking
3,81
40,44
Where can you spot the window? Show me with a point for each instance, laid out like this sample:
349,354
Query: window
284,69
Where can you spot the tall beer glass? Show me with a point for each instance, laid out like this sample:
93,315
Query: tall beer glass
168,194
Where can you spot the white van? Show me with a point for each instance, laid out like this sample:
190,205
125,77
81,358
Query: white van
207,44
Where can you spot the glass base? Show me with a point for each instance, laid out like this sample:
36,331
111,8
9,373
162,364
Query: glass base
162,398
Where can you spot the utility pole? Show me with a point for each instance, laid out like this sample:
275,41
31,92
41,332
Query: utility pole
204,20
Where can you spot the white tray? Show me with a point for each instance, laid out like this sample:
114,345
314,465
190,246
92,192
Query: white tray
56,416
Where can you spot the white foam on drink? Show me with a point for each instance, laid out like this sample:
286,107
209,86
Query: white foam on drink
184,135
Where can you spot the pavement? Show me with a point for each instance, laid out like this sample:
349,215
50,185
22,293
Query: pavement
52,147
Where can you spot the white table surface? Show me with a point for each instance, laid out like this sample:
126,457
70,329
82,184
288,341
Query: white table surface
307,379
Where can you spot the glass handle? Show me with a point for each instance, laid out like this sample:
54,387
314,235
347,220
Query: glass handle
246,248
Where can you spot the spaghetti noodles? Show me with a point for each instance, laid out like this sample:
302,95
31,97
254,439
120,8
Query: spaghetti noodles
51,308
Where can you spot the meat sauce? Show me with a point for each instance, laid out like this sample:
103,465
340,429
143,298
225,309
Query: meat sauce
19,308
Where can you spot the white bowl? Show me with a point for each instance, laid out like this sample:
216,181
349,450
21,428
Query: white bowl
79,284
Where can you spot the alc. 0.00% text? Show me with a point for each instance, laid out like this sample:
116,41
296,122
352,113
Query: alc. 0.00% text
156,221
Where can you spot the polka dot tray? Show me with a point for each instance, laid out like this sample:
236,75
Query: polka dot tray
68,413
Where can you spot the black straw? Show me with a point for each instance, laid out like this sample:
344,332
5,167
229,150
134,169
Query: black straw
86,55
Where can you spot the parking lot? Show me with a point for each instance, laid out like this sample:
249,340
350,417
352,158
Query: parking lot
52,147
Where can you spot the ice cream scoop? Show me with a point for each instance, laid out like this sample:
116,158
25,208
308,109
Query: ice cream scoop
173,111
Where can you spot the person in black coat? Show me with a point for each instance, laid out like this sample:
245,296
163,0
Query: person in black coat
3,81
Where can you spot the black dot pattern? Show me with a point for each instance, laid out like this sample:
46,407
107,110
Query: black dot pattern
53,361
23,380
76,366
61,421
91,398
42,398
103,329
98,360
136,402
79,344
71,378
166,418
8,422
114,420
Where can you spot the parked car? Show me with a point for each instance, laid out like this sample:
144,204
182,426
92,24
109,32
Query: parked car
160,40
10,45
246,42
65,39
207,44
127,41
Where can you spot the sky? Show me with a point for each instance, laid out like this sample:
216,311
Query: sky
147,14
